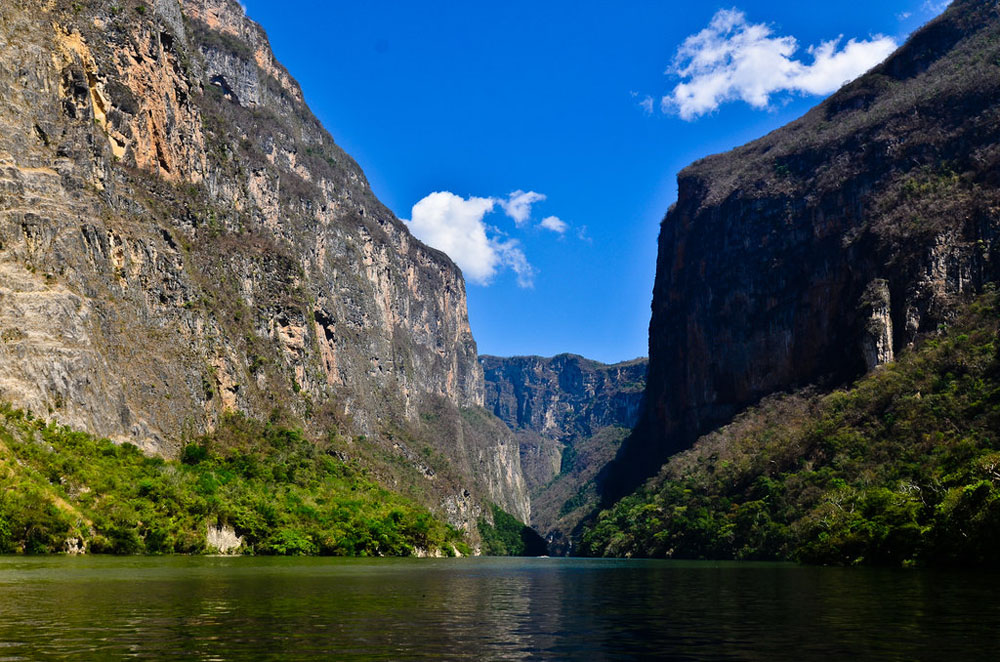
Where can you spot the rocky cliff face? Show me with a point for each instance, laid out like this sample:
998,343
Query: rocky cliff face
179,237
817,252
550,402
569,415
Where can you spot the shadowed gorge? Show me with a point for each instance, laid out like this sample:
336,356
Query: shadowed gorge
569,415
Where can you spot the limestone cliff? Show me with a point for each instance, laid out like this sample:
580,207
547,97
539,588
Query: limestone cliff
569,415
815,253
179,237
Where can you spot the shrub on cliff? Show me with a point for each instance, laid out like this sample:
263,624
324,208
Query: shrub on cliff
508,536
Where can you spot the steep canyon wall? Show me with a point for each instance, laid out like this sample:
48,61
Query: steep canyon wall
180,238
819,251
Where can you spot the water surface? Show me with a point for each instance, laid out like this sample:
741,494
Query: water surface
503,609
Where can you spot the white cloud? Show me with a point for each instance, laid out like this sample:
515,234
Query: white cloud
455,225
518,205
646,102
555,224
512,256
935,6
732,60
832,68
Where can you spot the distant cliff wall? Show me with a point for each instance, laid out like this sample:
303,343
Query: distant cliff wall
559,399
568,414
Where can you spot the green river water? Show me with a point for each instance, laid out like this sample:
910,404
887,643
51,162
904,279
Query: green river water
485,609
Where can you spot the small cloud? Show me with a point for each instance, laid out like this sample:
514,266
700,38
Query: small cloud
903,15
555,224
512,256
518,205
646,103
455,225
935,7
733,59
581,234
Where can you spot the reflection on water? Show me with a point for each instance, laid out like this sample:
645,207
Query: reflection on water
506,609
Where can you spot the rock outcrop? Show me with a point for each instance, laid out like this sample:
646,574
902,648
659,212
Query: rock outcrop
569,415
180,237
819,251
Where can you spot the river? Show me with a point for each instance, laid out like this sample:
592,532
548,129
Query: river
486,609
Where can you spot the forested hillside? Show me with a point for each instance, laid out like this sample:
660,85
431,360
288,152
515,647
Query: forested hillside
902,467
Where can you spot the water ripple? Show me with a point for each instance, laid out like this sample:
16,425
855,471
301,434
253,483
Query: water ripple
497,609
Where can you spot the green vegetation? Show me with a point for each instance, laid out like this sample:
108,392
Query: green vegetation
903,468
282,493
578,500
508,536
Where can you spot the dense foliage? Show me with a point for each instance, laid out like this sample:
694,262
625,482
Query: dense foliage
282,493
902,468
508,536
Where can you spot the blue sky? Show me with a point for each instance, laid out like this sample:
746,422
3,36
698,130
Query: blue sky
463,115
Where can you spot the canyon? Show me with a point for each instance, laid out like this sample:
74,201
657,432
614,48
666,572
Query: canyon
186,252
569,416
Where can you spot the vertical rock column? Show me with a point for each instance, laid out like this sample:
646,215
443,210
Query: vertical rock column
876,343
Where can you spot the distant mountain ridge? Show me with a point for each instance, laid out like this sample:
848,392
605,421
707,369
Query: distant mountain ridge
568,414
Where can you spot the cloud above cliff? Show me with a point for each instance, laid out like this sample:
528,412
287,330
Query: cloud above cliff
555,224
518,205
735,60
455,225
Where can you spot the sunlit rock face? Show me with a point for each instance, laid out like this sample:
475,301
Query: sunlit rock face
821,250
179,238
